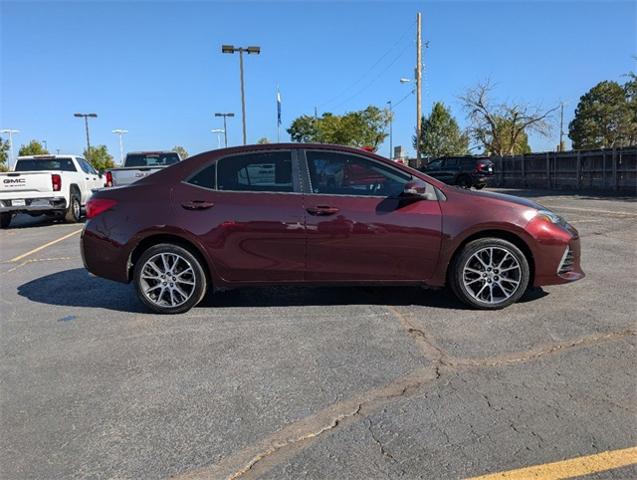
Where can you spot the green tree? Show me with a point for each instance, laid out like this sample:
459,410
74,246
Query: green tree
502,128
605,117
263,141
364,128
181,151
32,148
441,135
4,155
99,157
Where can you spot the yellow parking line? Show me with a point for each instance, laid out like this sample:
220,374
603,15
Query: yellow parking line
42,247
574,467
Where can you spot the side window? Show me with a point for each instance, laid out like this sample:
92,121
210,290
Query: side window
451,163
256,172
343,174
205,178
86,168
435,165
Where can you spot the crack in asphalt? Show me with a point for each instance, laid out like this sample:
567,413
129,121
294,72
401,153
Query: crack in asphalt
381,447
298,435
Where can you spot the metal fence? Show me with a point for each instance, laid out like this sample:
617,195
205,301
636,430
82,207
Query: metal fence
604,169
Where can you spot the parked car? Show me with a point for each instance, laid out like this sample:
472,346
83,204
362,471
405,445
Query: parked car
319,214
139,165
55,185
465,172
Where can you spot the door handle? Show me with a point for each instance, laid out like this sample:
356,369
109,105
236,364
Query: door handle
322,210
197,205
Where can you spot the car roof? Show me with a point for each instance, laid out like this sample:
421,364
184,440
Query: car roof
47,156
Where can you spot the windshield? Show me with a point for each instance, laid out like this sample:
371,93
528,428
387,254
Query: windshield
31,164
151,159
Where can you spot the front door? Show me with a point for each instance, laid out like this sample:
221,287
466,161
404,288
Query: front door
358,227
247,210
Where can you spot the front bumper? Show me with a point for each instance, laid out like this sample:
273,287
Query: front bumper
558,256
42,204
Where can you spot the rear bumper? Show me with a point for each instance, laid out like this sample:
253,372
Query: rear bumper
41,204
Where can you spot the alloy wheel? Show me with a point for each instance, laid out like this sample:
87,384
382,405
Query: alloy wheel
492,275
167,280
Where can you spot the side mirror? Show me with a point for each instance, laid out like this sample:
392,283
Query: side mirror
417,190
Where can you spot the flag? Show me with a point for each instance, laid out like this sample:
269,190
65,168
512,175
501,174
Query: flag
278,107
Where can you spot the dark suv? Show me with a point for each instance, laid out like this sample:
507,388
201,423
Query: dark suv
465,172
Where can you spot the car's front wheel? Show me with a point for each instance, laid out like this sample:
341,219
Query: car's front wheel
169,279
489,273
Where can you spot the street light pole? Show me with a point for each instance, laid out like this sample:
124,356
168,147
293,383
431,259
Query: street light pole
561,148
218,131
10,132
86,116
249,50
225,127
120,132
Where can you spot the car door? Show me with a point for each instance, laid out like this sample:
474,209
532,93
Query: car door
359,228
247,210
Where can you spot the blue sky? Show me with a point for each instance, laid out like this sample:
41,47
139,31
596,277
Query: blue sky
156,69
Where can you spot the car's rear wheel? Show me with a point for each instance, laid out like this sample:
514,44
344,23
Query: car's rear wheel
169,279
489,273
464,181
480,186
5,219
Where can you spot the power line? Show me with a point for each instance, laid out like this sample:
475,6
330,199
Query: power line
374,80
382,57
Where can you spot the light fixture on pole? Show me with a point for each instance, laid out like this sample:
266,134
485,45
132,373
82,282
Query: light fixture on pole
218,131
225,127
86,116
249,51
120,132
11,132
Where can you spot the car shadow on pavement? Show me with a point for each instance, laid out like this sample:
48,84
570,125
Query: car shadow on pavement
76,288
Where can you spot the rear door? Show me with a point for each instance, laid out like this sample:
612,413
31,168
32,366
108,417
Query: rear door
92,179
247,210
358,227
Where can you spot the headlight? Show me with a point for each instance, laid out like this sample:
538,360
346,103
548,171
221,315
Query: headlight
551,217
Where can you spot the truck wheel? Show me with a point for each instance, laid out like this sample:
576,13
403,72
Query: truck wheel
489,274
5,220
74,211
169,279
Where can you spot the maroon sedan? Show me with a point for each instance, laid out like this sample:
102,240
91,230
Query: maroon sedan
319,214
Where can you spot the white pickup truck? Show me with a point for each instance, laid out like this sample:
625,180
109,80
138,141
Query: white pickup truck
139,165
55,185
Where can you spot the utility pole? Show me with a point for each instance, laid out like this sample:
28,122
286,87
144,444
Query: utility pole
418,85
44,143
249,50
121,133
86,116
561,147
11,132
391,121
225,127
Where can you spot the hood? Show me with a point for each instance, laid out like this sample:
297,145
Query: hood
525,202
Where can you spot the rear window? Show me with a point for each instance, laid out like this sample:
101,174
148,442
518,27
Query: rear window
151,159
28,165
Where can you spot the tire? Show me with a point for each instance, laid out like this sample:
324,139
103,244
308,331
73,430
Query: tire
464,181
480,186
483,286
177,297
74,211
5,219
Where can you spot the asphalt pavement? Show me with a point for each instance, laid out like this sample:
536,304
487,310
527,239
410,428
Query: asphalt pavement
288,383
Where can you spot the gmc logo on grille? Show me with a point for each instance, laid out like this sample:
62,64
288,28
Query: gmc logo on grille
14,181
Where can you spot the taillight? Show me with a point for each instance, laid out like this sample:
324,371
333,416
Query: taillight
95,206
56,182
109,179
